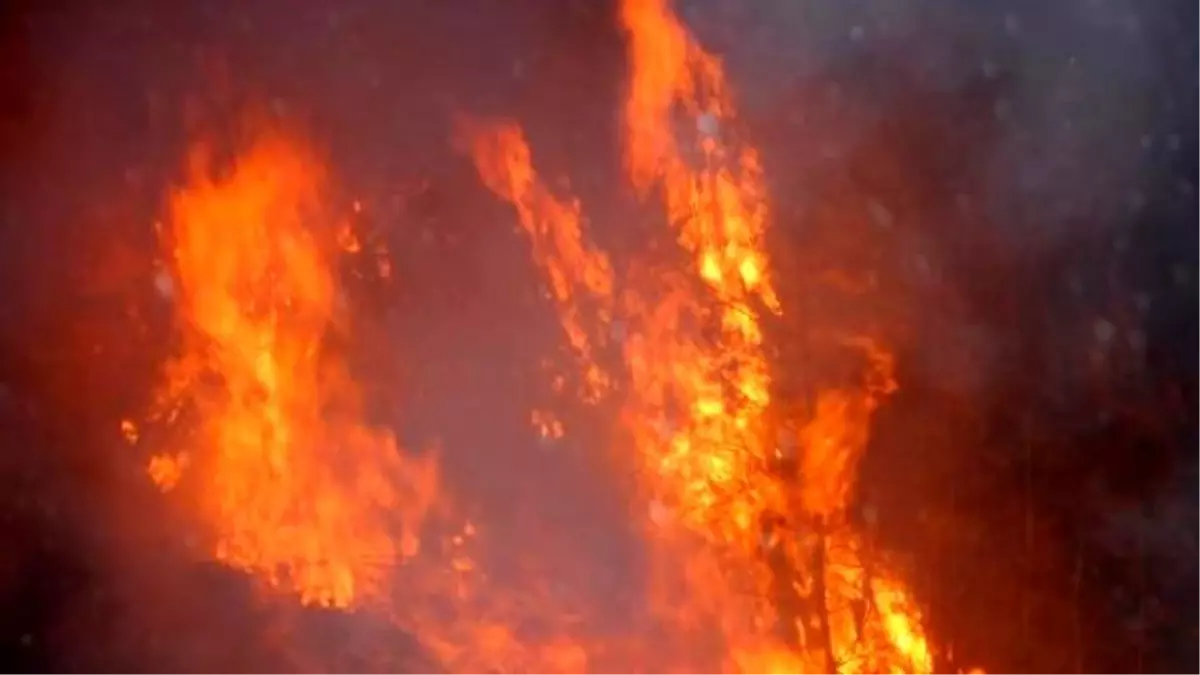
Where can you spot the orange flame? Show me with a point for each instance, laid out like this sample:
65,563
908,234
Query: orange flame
285,479
700,409
835,437
699,413
718,205
698,405
555,231
290,484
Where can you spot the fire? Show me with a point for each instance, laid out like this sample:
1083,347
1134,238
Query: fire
701,409
699,373
755,557
697,406
748,542
836,435
713,193
289,483
578,274
274,459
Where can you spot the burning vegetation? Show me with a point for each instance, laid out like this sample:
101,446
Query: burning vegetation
746,509
757,338
270,446
745,472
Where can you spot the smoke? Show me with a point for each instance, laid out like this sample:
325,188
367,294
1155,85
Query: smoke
1008,175
1090,86
107,104
1014,185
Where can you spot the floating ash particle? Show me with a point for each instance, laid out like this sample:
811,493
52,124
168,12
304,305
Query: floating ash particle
129,431
1135,201
880,215
164,285
660,514
1012,25
1136,340
923,266
870,514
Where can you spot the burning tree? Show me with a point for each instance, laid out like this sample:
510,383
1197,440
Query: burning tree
748,502
747,495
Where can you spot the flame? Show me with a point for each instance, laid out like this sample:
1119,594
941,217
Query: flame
699,373
713,193
285,479
755,558
836,435
742,547
289,482
555,230
700,412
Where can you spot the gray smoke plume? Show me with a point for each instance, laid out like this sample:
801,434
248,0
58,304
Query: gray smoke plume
1090,98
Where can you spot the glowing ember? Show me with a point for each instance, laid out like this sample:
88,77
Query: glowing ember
288,482
547,425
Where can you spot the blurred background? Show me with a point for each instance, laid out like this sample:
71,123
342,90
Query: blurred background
1010,187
